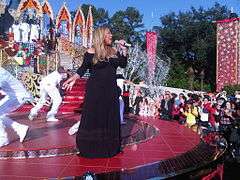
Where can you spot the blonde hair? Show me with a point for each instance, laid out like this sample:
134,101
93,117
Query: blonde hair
101,50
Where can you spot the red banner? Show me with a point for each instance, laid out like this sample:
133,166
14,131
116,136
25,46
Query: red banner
227,53
151,39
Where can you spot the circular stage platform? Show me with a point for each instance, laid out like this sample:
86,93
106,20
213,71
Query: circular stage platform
47,139
152,148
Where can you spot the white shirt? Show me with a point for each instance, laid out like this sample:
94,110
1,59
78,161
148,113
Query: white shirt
34,32
16,32
52,79
25,30
120,83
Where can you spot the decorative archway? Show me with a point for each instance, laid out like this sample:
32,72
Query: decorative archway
47,13
47,9
79,20
29,4
64,15
89,27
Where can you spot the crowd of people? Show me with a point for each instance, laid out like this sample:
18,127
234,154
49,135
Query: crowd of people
215,111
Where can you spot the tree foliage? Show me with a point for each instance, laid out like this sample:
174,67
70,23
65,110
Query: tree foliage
192,32
127,25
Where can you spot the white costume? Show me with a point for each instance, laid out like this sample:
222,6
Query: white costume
25,28
16,32
48,87
34,32
15,96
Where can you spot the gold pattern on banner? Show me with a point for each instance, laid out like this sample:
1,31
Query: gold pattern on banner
78,56
32,82
227,72
5,60
52,62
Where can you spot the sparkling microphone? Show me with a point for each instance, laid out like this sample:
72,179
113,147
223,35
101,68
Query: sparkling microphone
124,44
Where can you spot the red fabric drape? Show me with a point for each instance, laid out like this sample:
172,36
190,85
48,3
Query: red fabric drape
227,53
151,39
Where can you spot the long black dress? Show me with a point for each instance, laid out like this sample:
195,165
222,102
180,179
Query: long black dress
99,135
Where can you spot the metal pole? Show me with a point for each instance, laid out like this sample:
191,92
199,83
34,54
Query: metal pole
202,78
1,57
38,64
47,64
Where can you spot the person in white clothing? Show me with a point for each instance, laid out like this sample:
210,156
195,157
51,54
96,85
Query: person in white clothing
48,87
16,32
120,83
25,29
34,35
13,95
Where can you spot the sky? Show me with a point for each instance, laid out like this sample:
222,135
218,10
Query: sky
151,10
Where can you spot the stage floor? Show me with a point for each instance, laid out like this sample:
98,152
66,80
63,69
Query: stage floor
49,152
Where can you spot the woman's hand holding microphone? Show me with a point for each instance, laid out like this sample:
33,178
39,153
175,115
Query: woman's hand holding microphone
122,46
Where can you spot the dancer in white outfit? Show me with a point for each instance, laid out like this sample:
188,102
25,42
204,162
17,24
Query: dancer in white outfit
48,87
14,96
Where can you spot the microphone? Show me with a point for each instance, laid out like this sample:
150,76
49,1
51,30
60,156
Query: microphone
124,44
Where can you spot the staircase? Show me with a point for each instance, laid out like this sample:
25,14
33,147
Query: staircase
72,100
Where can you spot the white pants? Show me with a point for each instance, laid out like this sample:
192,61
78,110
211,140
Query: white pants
53,92
15,96
8,104
121,103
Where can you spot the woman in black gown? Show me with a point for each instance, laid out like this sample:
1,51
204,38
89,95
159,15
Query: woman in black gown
99,135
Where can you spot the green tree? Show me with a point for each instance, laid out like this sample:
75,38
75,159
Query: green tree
192,32
128,25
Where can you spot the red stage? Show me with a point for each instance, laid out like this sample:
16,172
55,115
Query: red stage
152,147
149,140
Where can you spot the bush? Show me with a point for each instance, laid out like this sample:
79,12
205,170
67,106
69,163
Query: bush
178,78
197,86
230,89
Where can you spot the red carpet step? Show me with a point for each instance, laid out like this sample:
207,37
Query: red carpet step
72,100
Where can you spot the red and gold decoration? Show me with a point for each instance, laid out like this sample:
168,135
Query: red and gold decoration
151,38
79,20
10,47
64,15
89,27
228,62
47,9
30,4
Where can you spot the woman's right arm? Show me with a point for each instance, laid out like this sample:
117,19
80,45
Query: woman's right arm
68,84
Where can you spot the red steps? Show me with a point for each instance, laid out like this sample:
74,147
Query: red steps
72,100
